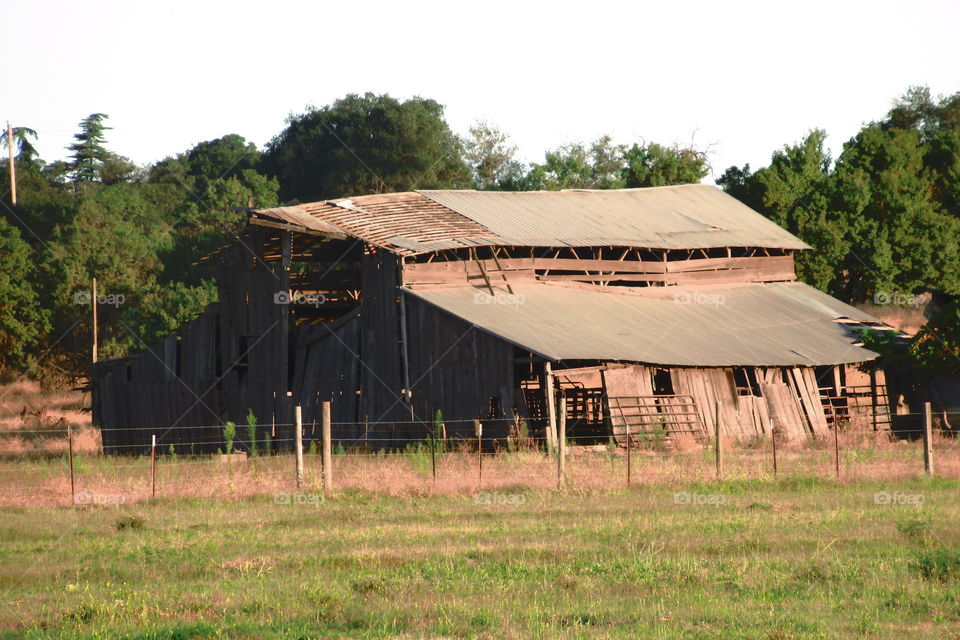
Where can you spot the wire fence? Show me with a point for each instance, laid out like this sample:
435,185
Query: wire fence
467,464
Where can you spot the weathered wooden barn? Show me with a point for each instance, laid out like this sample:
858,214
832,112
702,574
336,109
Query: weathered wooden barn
667,308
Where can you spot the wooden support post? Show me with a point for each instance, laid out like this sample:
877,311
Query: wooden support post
93,304
298,443
562,445
551,408
719,446
153,466
629,447
327,452
773,441
281,331
73,492
478,426
927,438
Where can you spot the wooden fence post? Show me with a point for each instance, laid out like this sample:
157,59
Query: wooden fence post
153,466
562,445
298,443
73,493
716,429
327,444
551,408
927,438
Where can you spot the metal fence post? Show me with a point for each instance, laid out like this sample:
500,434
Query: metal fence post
478,426
773,441
629,446
73,493
836,447
927,438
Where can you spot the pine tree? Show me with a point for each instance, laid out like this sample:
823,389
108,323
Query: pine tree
89,154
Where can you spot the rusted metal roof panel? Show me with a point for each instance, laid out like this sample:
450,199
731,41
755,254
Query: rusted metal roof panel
783,324
675,217
404,222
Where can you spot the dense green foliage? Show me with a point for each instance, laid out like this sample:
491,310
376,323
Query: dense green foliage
137,230
884,218
934,351
366,144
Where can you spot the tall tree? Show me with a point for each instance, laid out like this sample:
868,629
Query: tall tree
654,165
26,152
366,144
89,154
795,192
209,185
492,159
579,166
23,320
937,122
900,239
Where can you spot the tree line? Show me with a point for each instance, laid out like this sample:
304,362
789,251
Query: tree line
885,216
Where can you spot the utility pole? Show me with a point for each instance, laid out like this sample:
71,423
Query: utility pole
13,171
93,304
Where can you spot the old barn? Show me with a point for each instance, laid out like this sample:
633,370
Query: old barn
667,308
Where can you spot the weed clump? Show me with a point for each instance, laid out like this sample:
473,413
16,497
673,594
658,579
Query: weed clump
941,564
129,522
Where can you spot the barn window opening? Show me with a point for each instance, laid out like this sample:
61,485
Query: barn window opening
662,382
129,373
745,380
494,408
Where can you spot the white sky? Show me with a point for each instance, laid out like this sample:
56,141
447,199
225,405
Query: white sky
743,77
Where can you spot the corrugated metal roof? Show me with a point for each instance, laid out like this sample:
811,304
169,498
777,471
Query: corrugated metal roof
675,217
782,324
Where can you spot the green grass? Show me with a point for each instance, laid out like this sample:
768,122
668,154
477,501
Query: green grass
773,560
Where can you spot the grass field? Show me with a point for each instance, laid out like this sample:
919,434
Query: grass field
798,557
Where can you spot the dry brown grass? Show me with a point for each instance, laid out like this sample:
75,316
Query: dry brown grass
45,482
34,421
